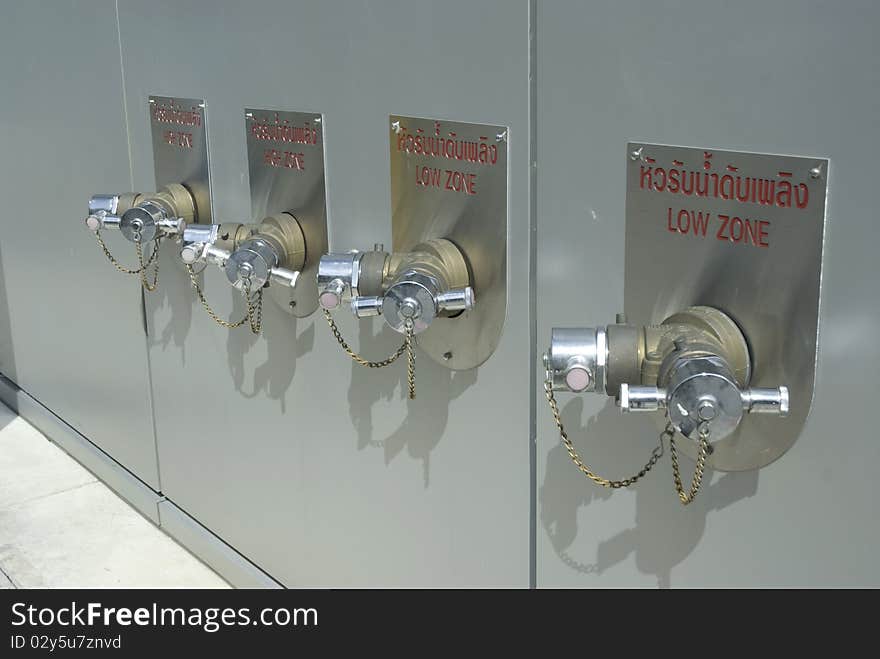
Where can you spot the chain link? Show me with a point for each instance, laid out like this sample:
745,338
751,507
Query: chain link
143,269
254,305
697,480
656,454
133,271
409,341
253,316
667,434
408,347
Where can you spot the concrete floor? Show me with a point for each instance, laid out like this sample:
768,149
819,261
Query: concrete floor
62,528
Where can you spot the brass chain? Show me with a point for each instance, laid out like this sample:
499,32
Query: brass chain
118,265
667,433
253,316
409,341
697,480
143,269
254,305
656,454
408,347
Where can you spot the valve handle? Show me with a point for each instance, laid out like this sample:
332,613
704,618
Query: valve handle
102,220
640,398
284,276
196,241
216,255
413,295
365,306
174,226
757,400
458,299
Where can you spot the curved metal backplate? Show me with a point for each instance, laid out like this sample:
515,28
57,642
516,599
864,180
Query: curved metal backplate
449,180
286,168
741,232
180,148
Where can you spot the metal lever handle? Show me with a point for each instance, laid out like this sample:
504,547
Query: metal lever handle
103,209
755,400
172,225
216,255
366,306
206,252
102,220
641,398
459,299
766,401
284,276
338,273
196,240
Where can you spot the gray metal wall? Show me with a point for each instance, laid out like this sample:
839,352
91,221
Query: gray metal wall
319,471
774,77
71,328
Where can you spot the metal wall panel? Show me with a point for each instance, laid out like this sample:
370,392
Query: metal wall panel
320,471
779,77
72,325
316,469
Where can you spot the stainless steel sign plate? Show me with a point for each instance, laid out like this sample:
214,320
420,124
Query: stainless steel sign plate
286,166
449,180
180,148
742,232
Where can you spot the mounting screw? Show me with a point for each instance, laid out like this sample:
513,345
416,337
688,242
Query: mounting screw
447,356
293,304
637,154
395,126
501,137
816,172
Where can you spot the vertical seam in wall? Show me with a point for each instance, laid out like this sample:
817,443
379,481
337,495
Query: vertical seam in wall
150,393
143,304
124,99
533,298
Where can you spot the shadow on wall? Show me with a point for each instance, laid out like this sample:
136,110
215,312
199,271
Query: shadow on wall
426,418
178,298
284,346
427,415
274,376
664,532
7,352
